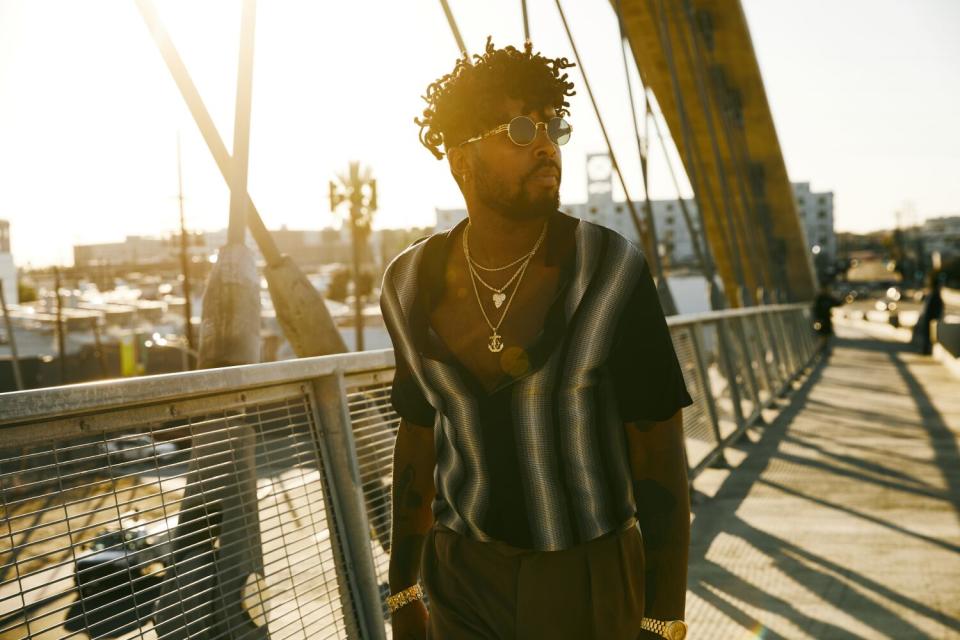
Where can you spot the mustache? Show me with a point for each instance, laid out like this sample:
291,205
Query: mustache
544,164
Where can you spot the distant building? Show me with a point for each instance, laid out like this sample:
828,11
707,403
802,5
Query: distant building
816,214
135,250
307,247
941,235
311,247
673,235
386,244
8,270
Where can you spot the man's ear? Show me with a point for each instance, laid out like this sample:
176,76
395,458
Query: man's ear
459,164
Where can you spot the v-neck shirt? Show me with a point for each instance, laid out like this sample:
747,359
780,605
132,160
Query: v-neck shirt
539,462
558,249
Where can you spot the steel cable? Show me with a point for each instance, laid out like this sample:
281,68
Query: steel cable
644,237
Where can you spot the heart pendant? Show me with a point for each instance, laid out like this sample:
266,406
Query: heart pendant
498,299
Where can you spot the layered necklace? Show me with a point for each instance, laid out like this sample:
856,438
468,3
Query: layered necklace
498,294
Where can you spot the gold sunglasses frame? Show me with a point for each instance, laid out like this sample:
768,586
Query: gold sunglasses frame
536,131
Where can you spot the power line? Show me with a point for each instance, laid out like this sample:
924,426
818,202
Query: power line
663,289
453,29
644,238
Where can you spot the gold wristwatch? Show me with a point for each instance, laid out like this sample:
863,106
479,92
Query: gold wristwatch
669,629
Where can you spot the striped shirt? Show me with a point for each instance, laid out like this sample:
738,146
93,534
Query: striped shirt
540,462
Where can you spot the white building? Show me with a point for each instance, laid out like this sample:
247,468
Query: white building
135,250
816,214
673,235
672,232
941,235
8,270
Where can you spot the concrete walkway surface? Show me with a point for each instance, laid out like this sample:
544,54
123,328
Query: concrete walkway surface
841,519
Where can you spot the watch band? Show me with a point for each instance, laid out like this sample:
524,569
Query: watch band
670,629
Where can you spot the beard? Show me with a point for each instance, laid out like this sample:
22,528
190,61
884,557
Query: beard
518,204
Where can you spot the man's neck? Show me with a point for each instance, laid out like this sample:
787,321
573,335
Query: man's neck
496,239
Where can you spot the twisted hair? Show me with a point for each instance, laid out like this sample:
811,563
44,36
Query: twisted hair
466,101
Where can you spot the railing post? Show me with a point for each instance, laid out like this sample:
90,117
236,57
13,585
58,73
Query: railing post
809,346
762,355
790,360
796,341
352,530
748,365
696,336
726,359
779,371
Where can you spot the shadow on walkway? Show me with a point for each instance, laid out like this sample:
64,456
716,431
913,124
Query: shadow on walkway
797,536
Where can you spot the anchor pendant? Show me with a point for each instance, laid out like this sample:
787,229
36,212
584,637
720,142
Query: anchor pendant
495,344
498,299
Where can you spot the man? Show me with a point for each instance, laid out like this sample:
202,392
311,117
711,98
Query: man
823,304
930,312
539,393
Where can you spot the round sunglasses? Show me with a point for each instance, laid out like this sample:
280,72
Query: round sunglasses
523,130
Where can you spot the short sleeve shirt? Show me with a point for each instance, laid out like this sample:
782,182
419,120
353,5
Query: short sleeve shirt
541,461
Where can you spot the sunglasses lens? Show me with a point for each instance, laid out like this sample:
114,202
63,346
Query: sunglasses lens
522,130
559,131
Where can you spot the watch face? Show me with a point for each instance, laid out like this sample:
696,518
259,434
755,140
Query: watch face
676,630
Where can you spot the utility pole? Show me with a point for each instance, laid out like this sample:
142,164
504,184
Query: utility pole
301,310
61,348
184,264
359,189
12,339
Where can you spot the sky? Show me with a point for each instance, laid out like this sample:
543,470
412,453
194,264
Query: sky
864,95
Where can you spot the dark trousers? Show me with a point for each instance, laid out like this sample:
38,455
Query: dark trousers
491,590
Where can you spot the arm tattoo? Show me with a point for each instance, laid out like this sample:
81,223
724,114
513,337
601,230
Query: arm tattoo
405,481
405,554
406,496
407,543
654,506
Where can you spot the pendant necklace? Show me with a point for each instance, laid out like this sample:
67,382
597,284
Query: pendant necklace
497,293
495,342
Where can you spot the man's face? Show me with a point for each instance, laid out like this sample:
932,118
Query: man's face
520,182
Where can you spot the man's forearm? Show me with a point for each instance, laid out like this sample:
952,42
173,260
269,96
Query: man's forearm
663,510
413,492
664,515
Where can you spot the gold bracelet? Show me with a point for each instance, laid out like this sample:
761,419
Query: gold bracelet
404,597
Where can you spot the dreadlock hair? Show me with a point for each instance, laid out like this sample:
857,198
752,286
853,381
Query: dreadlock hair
466,101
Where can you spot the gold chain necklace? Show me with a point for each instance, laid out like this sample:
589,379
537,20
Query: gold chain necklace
479,266
495,342
498,295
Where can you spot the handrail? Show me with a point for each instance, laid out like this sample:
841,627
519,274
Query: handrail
713,316
57,402
49,402
319,427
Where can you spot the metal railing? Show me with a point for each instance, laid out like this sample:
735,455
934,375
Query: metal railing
254,501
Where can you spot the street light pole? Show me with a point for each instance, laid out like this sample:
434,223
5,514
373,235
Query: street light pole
184,263
359,189
12,340
61,348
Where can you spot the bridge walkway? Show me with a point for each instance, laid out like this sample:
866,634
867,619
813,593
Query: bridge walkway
841,519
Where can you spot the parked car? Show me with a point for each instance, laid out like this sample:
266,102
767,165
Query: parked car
139,448
119,576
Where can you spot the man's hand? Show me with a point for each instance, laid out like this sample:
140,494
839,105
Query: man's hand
410,621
